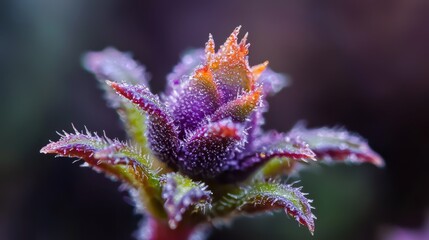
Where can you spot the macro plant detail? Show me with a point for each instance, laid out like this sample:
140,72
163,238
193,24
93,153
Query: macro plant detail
197,154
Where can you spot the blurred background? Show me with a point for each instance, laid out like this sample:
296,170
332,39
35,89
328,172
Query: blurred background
360,64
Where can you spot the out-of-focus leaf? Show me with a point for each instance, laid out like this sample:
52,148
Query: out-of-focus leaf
113,65
259,197
337,145
271,81
181,195
181,72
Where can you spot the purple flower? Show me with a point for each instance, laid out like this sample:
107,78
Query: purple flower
198,152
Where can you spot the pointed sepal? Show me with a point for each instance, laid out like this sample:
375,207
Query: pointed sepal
240,108
182,195
230,67
257,70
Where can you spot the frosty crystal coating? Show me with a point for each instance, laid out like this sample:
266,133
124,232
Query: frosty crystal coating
197,153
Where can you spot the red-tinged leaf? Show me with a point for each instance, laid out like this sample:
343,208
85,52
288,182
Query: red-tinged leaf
141,96
240,108
182,195
210,149
337,145
84,146
116,159
260,197
163,136
113,65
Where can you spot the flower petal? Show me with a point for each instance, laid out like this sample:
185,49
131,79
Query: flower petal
239,109
230,67
210,149
268,196
181,195
194,101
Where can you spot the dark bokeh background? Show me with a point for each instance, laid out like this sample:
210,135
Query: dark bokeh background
362,64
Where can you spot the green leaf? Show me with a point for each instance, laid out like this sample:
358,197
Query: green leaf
259,197
113,65
134,122
182,195
161,129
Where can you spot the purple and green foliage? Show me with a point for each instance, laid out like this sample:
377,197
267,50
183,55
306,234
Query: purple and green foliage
197,154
